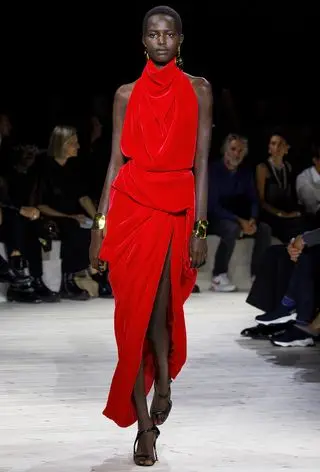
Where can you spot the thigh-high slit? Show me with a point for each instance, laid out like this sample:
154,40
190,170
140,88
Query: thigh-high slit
158,329
159,338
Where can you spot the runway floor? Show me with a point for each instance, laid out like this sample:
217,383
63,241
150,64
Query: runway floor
239,405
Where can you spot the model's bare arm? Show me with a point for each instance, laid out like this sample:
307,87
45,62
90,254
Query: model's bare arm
198,252
117,159
116,162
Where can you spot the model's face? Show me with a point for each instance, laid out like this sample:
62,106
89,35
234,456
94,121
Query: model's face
161,39
234,153
278,146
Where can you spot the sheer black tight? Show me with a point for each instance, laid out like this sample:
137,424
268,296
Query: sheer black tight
159,336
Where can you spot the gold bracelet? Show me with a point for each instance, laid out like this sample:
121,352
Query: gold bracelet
200,229
99,222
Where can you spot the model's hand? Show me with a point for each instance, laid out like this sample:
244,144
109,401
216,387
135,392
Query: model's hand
95,246
198,252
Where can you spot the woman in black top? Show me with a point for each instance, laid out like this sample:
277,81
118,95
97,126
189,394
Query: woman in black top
62,198
276,192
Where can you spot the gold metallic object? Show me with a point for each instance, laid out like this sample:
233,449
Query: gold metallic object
179,60
200,229
99,221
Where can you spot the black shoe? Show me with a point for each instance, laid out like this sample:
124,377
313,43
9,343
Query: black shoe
44,292
263,332
70,291
293,337
196,289
141,459
20,289
105,290
22,295
279,316
160,416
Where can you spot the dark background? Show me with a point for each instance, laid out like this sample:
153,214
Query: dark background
55,58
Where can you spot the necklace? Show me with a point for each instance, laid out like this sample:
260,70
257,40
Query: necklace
283,169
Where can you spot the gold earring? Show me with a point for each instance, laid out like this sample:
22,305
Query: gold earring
146,54
179,60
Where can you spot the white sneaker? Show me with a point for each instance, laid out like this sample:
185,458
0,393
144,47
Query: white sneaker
221,283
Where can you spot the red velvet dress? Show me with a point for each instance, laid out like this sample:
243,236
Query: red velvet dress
152,204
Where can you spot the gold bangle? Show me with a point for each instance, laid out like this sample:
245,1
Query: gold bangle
200,229
99,221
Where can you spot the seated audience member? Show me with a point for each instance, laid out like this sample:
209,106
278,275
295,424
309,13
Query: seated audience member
276,192
63,200
16,270
23,233
308,188
287,289
233,211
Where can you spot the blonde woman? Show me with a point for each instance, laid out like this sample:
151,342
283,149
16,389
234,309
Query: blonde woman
63,200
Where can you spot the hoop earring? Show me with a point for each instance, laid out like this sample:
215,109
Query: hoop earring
179,60
146,54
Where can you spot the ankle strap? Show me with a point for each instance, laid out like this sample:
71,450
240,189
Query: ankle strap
154,429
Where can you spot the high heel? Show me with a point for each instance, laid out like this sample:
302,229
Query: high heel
141,459
156,415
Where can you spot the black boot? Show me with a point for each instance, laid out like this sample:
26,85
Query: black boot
20,289
69,289
105,290
44,292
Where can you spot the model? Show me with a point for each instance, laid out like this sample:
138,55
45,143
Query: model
151,225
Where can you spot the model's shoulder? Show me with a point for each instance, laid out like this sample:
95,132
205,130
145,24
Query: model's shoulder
201,85
123,93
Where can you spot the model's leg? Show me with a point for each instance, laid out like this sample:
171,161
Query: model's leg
158,334
146,441
159,337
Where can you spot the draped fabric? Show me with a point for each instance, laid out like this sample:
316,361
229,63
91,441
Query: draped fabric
152,203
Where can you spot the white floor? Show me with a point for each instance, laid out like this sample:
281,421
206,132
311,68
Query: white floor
238,405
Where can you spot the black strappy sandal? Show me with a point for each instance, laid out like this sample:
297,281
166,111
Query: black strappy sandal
141,459
157,414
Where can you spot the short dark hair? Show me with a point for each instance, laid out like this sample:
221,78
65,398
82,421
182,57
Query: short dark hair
162,10
281,132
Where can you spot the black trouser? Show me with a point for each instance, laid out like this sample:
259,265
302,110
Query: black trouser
20,234
303,284
278,276
229,231
75,243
